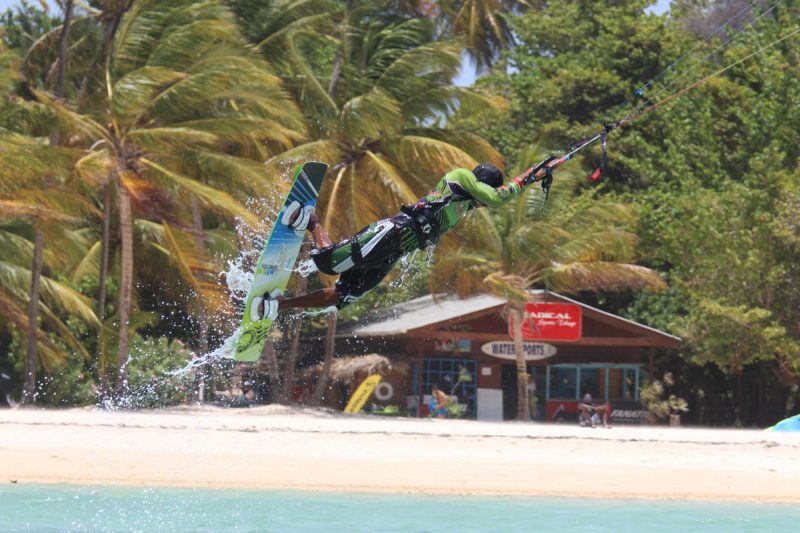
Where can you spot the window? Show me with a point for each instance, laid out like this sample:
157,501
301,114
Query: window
631,385
445,373
603,382
563,382
593,382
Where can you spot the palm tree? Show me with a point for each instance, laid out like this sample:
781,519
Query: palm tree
189,111
191,108
375,112
483,24
378,126
580,243
35,203
32,187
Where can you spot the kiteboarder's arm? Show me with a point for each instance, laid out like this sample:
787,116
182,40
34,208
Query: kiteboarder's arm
486,194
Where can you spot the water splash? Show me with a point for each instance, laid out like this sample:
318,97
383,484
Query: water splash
319,312
225,353
238,277
306,267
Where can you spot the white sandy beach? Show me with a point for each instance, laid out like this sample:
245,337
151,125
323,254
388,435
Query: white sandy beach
286,448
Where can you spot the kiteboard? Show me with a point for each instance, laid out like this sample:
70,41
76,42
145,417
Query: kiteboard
277,261
362,394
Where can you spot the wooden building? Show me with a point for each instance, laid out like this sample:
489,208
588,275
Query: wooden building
464,346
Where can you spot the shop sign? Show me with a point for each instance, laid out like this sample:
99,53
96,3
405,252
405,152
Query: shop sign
534,351
549,322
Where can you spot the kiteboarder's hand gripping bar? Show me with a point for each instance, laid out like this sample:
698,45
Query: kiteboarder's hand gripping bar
542,170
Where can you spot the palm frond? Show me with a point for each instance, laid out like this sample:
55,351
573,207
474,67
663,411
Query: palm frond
227,172
51,356
324,150
410,73
212,197
600,275
392,184
90,264
476,146
510,286
609,245
94,168
70,300
275,40
308,90
461,272
139,32
197,272
66,202
370,115
11,210
159,140
134,91
245,129
17,280
26,162
209,85
63,332
47,115
340,215
416,152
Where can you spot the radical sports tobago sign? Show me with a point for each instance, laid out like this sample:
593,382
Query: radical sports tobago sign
545,321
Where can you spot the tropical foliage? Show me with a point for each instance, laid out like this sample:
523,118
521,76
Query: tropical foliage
144,143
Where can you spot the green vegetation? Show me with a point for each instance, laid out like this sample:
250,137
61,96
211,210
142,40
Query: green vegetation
144,143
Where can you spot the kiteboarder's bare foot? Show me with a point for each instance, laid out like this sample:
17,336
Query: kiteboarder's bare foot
266,307
297,216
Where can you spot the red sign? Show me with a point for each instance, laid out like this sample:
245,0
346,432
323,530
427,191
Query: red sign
549,322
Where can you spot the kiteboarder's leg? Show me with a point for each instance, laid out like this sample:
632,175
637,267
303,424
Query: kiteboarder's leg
320,298
351,286
321,239
302,218
361,262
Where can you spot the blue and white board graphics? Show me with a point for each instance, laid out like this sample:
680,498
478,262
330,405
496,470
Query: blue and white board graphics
277,260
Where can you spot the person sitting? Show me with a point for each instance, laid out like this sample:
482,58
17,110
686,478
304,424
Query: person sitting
591,414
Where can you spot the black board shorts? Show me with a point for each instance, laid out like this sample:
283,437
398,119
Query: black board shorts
362,261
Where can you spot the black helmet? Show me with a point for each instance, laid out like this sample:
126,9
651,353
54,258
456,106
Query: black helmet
489,174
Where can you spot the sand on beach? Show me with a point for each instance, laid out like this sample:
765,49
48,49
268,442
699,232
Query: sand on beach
275,447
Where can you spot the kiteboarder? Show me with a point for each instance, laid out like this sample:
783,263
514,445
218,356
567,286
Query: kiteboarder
363,260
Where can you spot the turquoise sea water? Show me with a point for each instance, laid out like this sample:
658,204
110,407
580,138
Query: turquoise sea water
50,508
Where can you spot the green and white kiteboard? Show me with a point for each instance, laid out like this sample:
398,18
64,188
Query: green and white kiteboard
277,260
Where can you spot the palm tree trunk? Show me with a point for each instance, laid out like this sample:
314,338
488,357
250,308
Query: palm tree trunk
125,283
523,409
101,299
202,317
336,72
62,50
330,339
294,343
29,388
108,35
294,347
38,247
273,371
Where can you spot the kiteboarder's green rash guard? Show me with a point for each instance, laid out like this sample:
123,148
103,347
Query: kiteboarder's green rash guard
463,187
